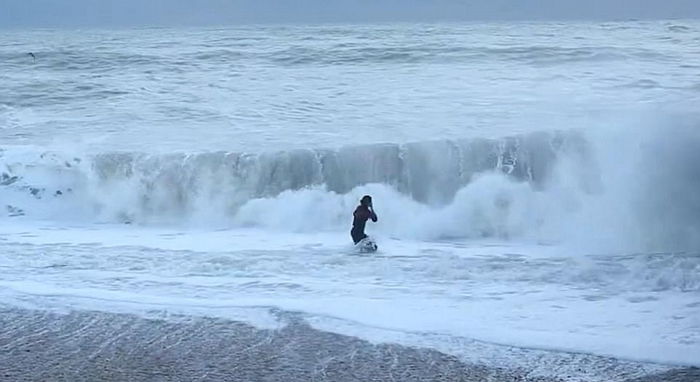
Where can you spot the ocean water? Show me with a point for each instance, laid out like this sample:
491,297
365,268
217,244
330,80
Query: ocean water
536,183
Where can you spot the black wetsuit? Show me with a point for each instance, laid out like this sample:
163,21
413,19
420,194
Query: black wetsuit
360,216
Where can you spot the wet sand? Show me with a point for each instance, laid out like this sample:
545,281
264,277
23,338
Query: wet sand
95,346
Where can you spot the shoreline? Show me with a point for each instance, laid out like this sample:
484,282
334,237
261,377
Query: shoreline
97,346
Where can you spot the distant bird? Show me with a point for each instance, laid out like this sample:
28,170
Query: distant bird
32,55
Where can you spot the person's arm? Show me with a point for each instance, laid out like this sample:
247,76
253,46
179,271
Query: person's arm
372,215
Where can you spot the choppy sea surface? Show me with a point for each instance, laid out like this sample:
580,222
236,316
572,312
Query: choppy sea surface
536,183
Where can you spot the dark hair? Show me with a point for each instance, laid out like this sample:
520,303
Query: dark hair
366,199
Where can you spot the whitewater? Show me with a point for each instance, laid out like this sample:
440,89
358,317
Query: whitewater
536,183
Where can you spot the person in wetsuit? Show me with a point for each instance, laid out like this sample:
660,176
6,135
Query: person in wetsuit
362,213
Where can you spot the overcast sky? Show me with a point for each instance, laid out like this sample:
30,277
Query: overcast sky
71,13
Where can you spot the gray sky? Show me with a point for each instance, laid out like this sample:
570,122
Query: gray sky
71,13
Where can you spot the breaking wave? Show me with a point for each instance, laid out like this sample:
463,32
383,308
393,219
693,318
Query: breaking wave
599,190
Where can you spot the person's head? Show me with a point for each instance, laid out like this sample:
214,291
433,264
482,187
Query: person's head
366,200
